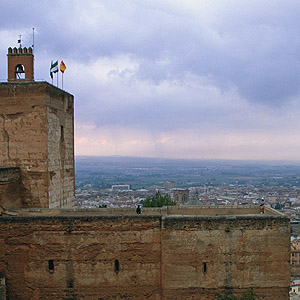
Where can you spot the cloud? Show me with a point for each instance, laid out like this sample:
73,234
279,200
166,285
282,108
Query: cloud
253,145
156,68
250,45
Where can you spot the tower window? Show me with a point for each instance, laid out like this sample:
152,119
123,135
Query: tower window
62,134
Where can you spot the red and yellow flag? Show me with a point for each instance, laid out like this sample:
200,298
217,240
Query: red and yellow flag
62,66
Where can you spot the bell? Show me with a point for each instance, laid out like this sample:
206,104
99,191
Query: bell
20,69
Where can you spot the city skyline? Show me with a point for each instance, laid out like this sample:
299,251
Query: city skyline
194,80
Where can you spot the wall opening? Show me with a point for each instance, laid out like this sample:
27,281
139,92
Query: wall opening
204,267
62,134
117,266
51,265
20,71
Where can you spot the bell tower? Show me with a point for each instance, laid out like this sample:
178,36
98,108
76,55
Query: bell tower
20,64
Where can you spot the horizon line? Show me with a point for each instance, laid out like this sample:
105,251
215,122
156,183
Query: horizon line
193,159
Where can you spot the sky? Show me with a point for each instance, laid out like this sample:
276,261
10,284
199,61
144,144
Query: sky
191,79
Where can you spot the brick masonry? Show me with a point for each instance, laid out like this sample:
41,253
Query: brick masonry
158,257
2,287
23,57
37,135
10,187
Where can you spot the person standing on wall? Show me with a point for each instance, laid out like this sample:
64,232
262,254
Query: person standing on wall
138,209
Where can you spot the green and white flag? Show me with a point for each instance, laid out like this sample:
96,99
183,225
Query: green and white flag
54,67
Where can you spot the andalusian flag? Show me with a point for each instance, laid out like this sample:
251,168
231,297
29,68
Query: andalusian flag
62,66
53,68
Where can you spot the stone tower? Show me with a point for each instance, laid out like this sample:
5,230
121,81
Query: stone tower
181,196
36,139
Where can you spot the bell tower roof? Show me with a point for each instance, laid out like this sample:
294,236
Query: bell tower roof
20,64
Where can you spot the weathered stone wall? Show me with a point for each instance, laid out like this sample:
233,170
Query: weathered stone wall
159,257
84,251
61,148
23,138
2,287
10,188
205,255
28,113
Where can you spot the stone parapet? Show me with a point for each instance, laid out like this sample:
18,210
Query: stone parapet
85,255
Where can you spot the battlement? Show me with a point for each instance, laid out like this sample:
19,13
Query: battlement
15,51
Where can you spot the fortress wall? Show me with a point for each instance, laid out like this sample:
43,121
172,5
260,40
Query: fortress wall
83,251
23,138
2,287
37,135
60,108
224,210
10,188
218,254
160,257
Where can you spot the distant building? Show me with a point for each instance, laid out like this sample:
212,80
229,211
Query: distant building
181,196
295,290
295,259
168,185
287,204
120,187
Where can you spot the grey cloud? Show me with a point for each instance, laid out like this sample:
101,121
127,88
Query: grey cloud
251,46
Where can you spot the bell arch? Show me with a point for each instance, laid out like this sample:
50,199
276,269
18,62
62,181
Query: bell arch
20,71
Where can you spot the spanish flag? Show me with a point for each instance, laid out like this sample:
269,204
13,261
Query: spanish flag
62,67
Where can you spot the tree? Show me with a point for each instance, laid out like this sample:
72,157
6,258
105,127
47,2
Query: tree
158,201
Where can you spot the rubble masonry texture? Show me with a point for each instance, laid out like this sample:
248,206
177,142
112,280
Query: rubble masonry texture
159,257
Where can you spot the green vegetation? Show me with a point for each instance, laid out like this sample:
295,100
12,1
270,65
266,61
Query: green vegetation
249,295
158,201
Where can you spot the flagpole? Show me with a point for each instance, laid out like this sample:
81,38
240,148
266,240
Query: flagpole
33,39
62,68
57,78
